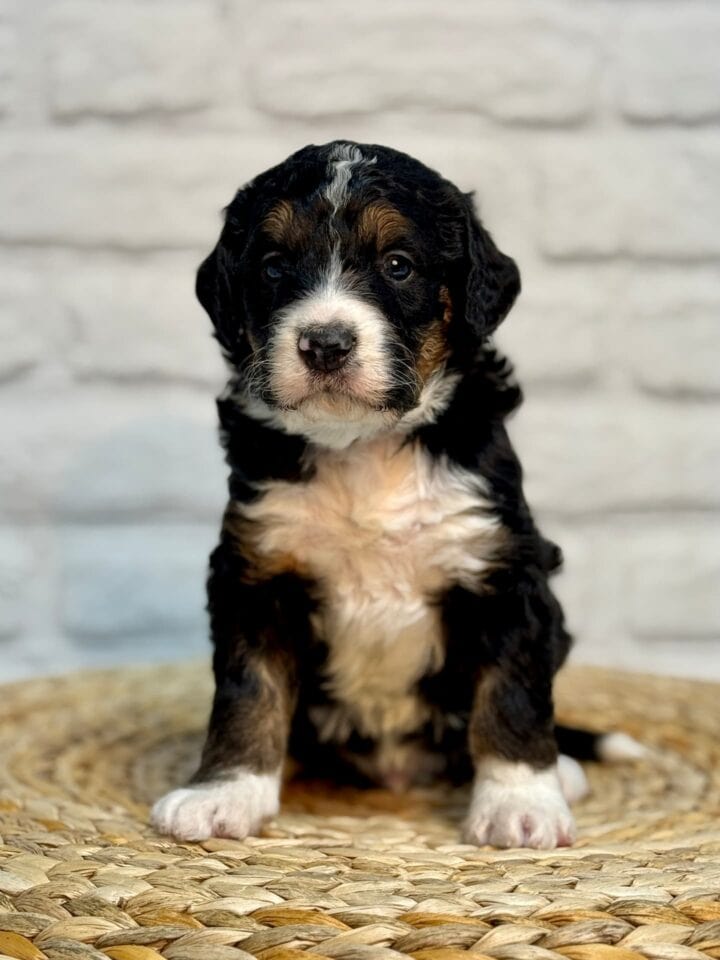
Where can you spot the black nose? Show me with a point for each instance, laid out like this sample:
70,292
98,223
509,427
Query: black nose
327,347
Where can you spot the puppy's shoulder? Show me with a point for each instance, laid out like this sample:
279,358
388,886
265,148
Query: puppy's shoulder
470,430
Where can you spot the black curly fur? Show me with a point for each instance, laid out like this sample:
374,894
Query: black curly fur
513,630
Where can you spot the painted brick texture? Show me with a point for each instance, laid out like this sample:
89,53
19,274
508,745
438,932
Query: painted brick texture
590,133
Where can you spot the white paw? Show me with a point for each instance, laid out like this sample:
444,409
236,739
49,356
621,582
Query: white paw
515,806
234,807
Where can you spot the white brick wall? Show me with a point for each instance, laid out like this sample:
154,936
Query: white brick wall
590,131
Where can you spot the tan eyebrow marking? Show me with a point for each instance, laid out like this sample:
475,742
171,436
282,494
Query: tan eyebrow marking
280,222
382,223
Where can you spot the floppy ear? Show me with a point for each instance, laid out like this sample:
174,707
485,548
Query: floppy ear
213,284
492,280
212,288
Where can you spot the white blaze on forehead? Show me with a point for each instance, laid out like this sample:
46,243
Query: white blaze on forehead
340,168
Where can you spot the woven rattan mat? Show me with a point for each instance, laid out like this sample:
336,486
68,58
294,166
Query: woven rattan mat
345,875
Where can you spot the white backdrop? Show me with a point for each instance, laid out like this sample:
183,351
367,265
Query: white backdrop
590,132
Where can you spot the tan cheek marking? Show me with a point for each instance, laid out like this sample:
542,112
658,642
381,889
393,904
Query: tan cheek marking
433,350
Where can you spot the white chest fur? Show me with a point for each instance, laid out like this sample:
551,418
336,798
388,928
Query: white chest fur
383,528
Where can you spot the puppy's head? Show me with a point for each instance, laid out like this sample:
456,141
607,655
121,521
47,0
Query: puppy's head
347,282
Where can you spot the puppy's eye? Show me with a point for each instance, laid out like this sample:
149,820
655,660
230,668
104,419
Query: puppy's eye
274,267
398,266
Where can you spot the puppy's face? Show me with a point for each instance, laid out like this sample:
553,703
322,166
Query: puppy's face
345,282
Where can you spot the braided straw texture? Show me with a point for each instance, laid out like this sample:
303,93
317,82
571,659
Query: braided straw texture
342,874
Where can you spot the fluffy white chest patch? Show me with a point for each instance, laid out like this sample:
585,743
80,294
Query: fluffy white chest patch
383,528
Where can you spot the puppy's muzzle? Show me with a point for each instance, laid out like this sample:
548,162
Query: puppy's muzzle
326,348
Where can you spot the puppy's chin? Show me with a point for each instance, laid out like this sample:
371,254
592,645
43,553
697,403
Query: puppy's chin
338,406
340,394
335,418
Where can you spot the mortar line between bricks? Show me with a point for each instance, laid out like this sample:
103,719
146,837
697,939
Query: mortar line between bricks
21,244
50,246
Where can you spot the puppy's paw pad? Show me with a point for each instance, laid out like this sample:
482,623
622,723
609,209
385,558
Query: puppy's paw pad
529,815
520,827
521,823
226,808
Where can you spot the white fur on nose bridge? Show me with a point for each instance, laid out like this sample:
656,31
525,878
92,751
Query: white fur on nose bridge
364,381
330,304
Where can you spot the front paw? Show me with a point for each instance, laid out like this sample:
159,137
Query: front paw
515,806
235,807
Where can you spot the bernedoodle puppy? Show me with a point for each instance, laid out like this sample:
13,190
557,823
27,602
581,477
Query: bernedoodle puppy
379,599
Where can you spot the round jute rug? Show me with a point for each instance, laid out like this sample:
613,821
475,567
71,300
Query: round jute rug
341,874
